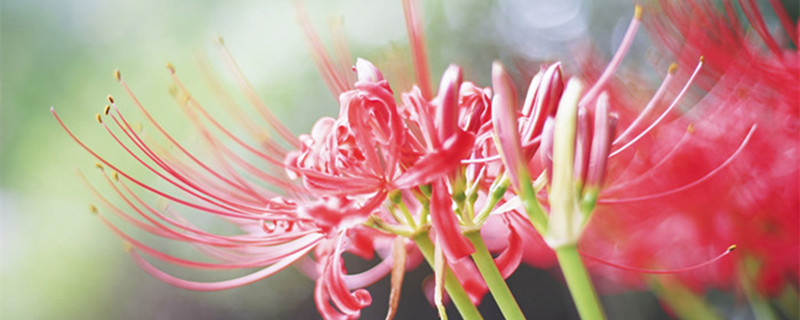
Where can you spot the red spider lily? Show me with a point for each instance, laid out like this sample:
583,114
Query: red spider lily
750,79
592,148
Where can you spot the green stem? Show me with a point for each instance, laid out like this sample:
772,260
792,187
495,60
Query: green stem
579,283
497,285
451,284
407,215
531,204
758,304
685,303
496,192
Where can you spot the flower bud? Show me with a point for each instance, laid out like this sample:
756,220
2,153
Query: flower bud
604,128
542,100
566,220
447,109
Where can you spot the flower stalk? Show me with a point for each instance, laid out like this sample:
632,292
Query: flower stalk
579,283
497,285
457,293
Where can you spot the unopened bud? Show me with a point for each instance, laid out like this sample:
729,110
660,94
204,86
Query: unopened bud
605,125
544,103
447,110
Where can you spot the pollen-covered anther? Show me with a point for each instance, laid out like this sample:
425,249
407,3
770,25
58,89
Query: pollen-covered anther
117,75
93,209
110,98
673,67
115,176
99,165
690,128
732,247
98,118
637,12
171,68
106,109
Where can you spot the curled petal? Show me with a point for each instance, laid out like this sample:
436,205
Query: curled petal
508,260
438,163
367,72
332,286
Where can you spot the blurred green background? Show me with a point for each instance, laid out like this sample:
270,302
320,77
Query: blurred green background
60,262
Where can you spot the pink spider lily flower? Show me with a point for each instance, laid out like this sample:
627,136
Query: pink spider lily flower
421,153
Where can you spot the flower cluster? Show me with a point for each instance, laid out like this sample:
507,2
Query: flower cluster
472,179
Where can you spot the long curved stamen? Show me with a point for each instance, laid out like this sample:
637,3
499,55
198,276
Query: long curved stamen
331,74
651,271
279,252
121,213
269,143
218,200
693,183
219,285
663,114
650,104
157,125
342,50
231,213
220,151
416,38
233,108
205,237
627,40
639,177
251,95
167,166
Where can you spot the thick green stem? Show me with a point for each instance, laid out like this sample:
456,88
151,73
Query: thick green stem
451,284
497,285
685,303
579,283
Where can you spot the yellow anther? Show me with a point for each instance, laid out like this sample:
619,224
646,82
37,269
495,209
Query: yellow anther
99,119
106,109
637,12
110,98
171,68
115,175
173,90
117,75
732,247
673,67
99,166
93,209
690,128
